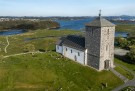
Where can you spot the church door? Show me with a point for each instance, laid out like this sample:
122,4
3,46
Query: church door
106,64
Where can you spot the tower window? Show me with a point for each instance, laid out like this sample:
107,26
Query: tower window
66,49
108,31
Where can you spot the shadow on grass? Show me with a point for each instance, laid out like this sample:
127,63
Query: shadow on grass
42,50
124,59
53,50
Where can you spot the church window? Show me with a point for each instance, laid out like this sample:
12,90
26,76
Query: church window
78,53
71,51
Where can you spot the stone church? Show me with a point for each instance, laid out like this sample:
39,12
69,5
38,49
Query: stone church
96,49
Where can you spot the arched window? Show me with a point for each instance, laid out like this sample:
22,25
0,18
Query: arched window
66,49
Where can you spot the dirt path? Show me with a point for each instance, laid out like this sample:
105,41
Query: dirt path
120,52
22,54
7,45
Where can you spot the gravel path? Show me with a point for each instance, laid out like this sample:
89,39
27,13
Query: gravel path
123,78
120,52
129,82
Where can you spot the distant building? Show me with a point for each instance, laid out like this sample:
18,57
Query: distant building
96,49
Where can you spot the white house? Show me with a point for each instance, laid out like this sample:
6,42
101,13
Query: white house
96,49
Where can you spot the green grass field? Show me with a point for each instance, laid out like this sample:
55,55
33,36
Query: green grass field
124,72
17,42
43,72
128,65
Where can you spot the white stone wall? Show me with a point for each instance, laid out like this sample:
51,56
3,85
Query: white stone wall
107,46
74,54
86,51
59,49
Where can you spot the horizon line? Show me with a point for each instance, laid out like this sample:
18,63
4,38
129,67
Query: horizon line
62,16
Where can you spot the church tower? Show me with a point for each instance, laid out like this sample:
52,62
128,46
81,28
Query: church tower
99,42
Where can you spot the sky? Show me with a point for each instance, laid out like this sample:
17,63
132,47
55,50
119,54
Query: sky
66,7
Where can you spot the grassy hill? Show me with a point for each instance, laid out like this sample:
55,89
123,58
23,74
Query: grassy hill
43,72
39,38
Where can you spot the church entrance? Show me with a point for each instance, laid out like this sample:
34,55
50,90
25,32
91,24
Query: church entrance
107,64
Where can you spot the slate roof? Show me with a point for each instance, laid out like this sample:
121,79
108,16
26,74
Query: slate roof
60,41
73,41
100,22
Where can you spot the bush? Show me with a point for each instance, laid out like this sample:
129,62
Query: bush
122,42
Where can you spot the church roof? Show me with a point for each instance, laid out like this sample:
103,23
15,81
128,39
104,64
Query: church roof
60,41
73,41
100,22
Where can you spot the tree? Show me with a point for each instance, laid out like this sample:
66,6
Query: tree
29,48
131,54
132,41
122,42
